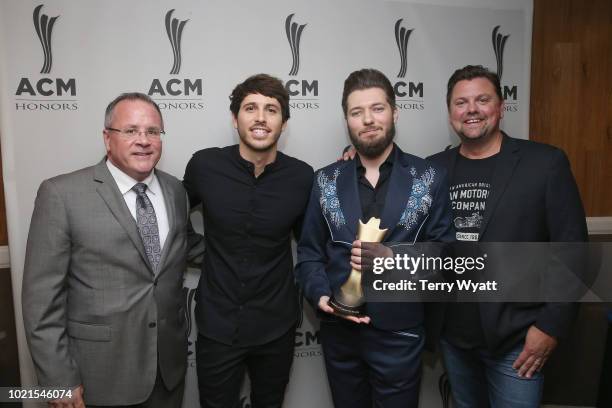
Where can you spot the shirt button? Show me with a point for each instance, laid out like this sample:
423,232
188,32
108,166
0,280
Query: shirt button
241,307
155,282
242,284
152,324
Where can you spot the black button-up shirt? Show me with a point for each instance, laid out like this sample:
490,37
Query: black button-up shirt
373,198
246,294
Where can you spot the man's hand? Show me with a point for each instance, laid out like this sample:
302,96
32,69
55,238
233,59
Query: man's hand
76,401
537,349
324,306
363,254
348,153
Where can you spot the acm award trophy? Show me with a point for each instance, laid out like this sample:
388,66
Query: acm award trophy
348,300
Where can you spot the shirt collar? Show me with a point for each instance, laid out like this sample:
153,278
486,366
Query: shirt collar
250,166
125,182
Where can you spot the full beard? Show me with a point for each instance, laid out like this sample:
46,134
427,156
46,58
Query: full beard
374,148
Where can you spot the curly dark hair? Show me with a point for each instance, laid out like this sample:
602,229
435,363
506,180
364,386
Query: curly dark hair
263,84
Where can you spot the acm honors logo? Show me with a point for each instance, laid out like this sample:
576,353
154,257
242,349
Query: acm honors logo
43,93
304,94
408,94
174,93
509,92
307,341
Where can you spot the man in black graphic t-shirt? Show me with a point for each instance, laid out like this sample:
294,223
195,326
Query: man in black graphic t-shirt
503,190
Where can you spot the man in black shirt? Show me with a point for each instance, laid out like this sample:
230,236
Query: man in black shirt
253,198
503,190
372,360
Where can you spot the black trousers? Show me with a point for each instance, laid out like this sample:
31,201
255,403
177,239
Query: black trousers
221,370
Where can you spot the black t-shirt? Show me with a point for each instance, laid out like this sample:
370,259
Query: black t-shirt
469,190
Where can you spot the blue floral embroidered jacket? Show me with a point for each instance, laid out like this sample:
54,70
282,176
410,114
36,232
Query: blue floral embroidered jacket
417,208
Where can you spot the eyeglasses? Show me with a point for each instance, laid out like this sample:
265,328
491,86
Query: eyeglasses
132,133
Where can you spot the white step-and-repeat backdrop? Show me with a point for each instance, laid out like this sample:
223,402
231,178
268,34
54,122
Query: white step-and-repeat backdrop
62,61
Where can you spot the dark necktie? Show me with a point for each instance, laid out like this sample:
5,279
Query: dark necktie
147,225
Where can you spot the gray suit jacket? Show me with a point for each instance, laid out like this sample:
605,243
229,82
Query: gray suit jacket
94,311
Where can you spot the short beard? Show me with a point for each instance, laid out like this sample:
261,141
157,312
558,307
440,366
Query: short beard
259,149
477,139
375,149
481,138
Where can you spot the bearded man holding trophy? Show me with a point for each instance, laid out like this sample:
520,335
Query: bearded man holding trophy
372,349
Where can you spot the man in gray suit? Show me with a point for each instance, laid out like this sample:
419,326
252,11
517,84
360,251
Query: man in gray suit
102,284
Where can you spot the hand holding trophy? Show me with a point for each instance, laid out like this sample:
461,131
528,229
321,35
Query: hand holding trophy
348,300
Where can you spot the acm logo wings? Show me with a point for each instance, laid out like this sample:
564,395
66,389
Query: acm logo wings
408,94
303,93
509,92
43,93
175,93
307,340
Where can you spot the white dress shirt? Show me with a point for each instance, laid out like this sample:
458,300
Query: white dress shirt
154,192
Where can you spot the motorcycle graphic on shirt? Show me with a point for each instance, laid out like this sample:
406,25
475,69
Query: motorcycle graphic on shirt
473,221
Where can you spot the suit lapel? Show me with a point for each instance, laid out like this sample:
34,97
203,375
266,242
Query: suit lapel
109,192
398,192
348,195
504,168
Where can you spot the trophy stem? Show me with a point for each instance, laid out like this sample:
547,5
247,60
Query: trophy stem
348,300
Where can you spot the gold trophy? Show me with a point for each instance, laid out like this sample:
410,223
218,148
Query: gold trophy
349,299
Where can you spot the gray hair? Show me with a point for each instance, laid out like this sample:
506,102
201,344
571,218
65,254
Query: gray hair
129,96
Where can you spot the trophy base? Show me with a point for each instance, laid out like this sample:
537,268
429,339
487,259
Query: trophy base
345,310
